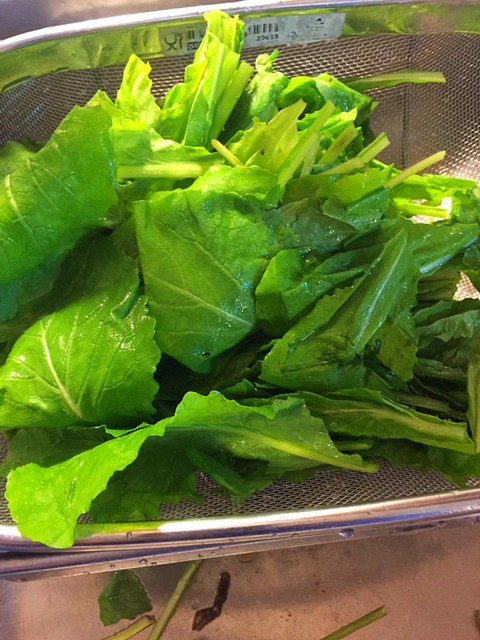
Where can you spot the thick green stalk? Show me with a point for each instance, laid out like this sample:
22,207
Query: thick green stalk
409,208
172,604
389,80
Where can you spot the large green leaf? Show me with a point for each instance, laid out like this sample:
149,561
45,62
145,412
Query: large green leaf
366,413
325,345
12,156
446,320
57,195
294,280
90,362
45,502
202,256
48,446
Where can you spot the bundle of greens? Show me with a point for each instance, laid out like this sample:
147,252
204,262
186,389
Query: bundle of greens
231,283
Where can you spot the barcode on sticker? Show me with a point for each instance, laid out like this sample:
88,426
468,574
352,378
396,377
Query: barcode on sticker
286,29
272,30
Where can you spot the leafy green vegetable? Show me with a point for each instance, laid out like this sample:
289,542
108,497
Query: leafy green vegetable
196,111
292,282
33,285
90,362
389,80
136,493
140,151
303,224
366,413
58,195
473,387
12,155
48,446
322,350
448,319
432,246
145,154
344,97
244,228
260,98
395,344
278,145
134,98
254,183
67,489
203,298
123,598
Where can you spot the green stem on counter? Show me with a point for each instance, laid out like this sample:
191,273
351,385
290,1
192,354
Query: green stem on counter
476,616
172,604
133,629
357,624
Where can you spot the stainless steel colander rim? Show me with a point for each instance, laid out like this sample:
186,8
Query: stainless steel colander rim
172,13
386,514
177,540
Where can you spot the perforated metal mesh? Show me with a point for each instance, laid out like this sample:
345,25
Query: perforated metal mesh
419,121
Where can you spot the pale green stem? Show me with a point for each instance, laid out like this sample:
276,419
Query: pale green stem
414,209
356,624
230,97
339,145
352,445
393,79
228,155
133,629
365,156
174,600
416,168
304,145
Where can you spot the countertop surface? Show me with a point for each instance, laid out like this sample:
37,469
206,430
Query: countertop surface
429,583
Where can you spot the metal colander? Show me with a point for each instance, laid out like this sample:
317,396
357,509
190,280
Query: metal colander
419,120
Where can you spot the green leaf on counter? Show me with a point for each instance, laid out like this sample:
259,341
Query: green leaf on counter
123,598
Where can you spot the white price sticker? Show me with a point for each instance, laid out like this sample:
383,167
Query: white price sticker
261,32
293,29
